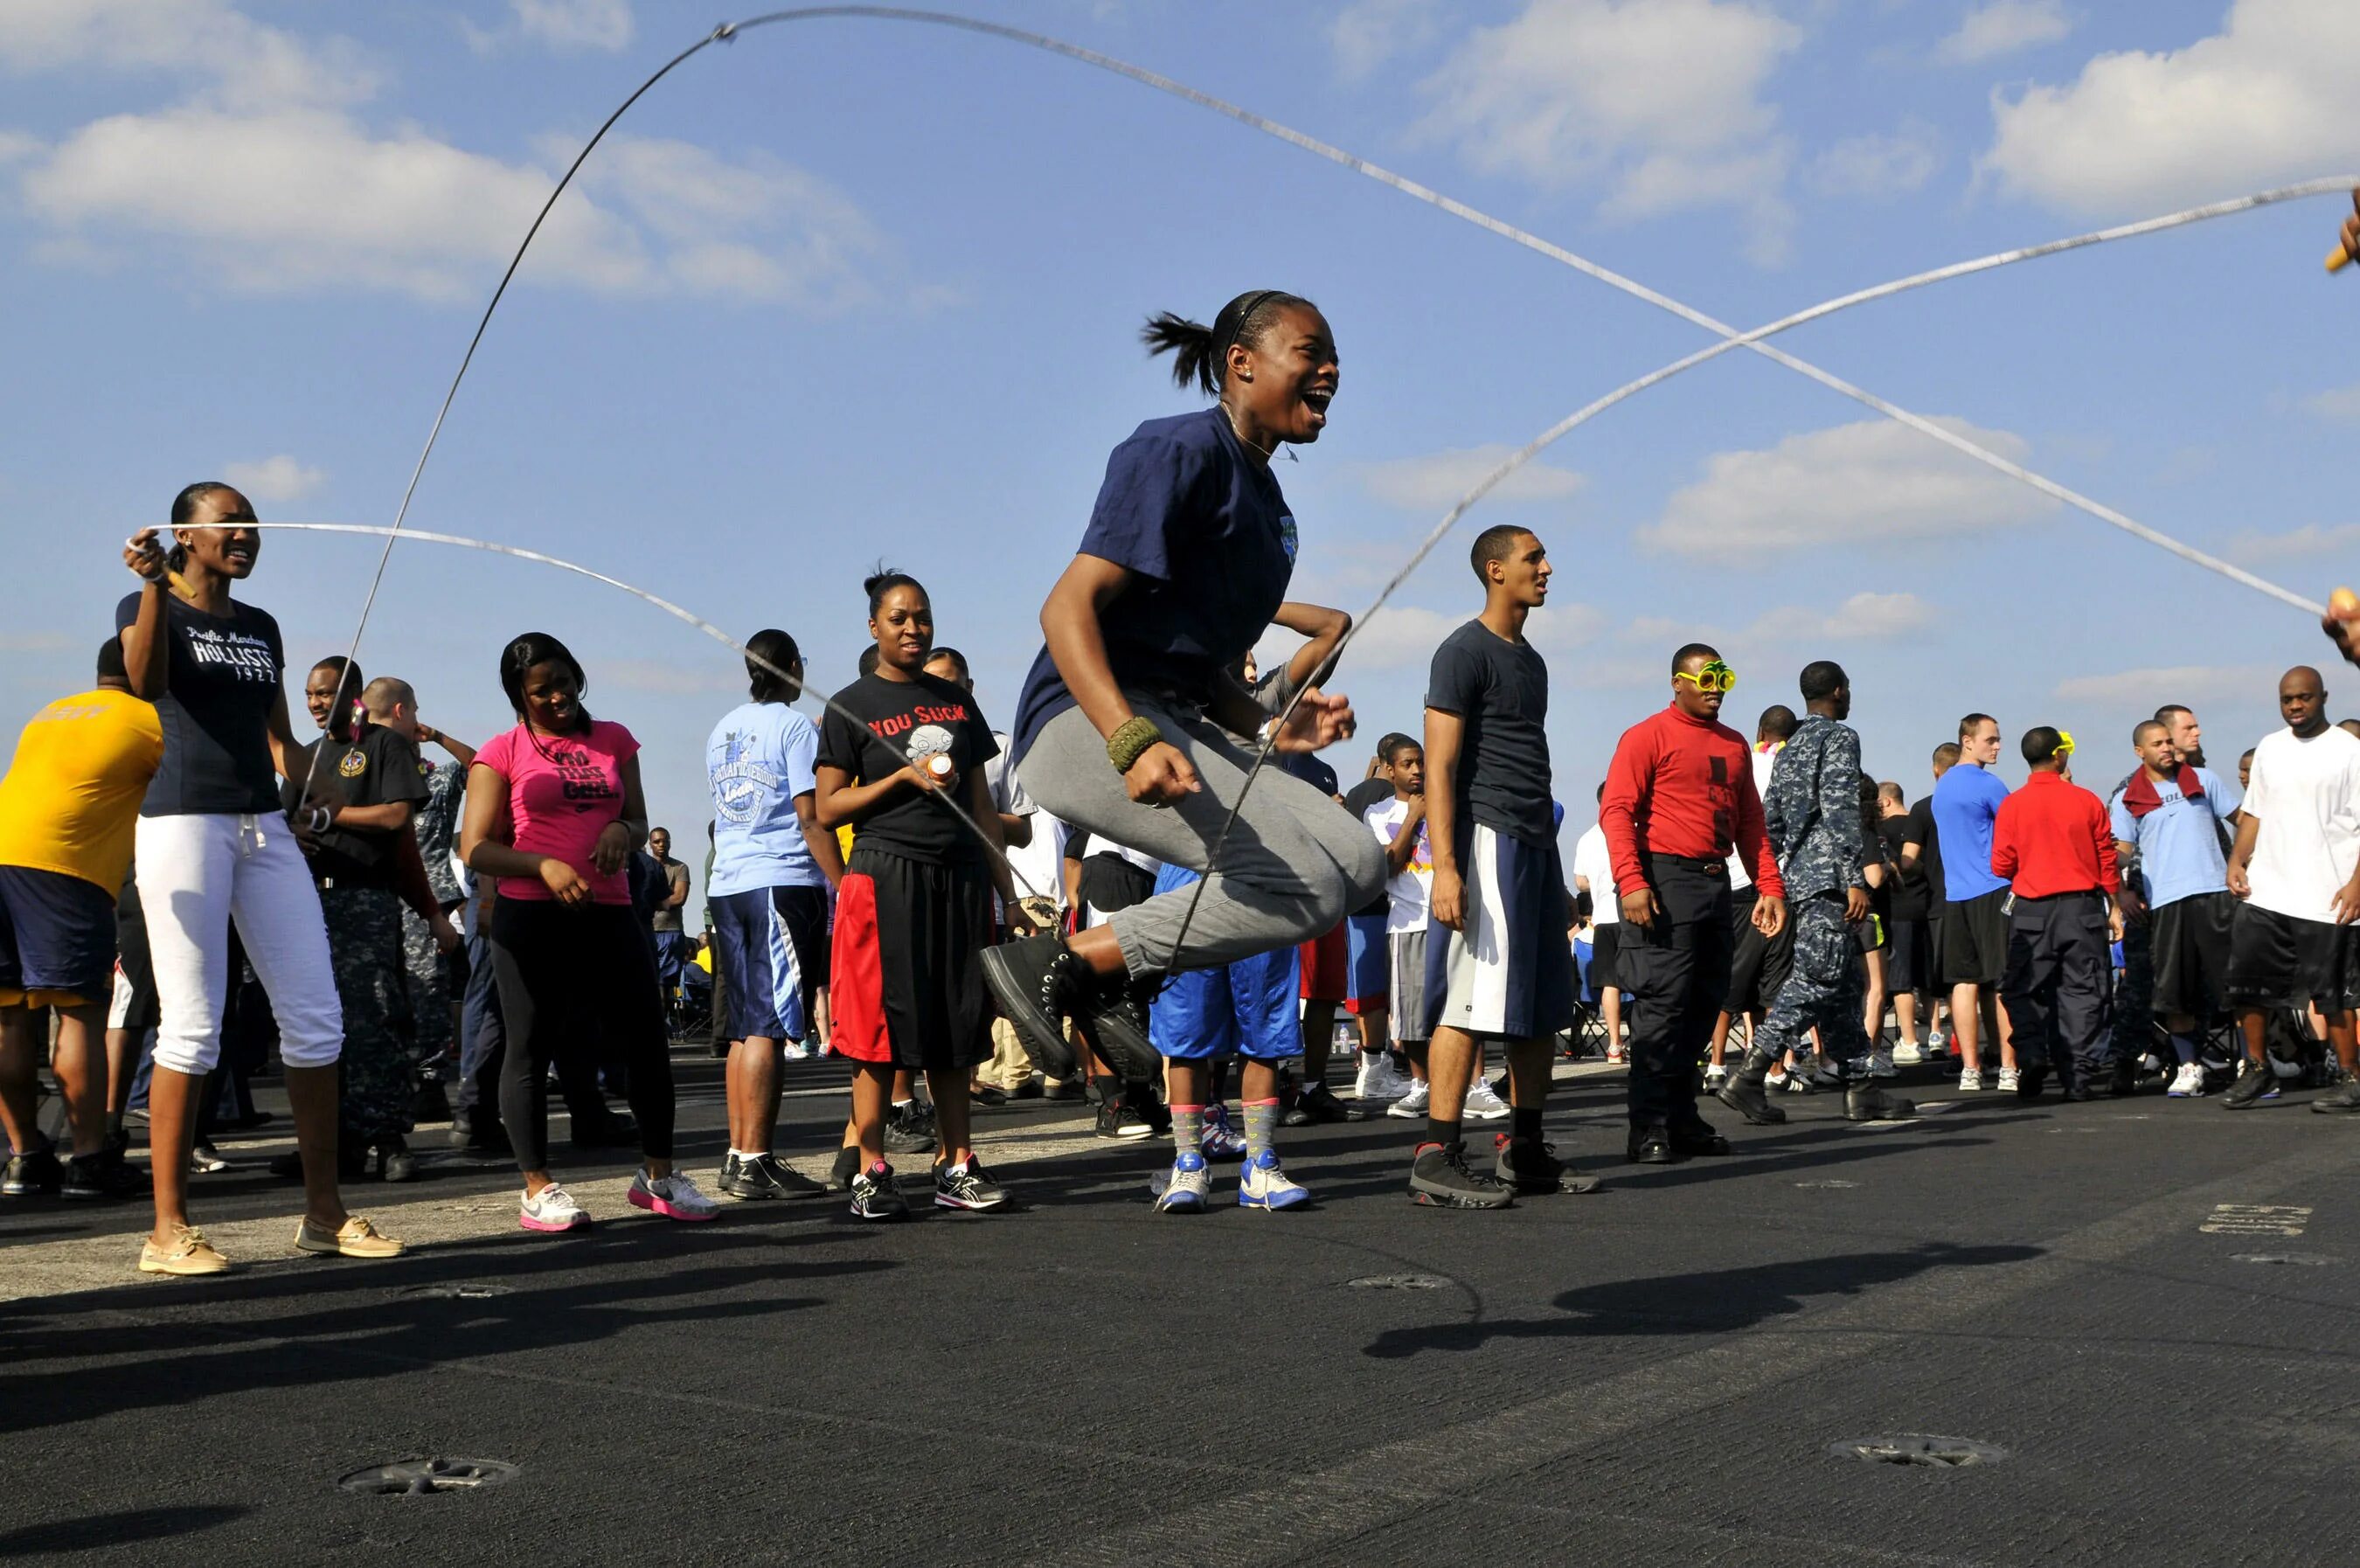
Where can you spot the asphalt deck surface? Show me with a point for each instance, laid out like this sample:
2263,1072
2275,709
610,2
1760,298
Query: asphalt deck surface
1652,1374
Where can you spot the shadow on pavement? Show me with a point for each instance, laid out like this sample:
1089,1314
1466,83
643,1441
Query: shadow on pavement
1717,1301
66,1353
92,1530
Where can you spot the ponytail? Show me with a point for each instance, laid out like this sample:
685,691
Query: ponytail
1201,353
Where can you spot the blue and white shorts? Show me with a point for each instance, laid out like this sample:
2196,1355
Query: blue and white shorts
1245,1009
1509,972
771,949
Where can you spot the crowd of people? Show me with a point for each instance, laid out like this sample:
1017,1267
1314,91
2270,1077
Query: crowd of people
1109,899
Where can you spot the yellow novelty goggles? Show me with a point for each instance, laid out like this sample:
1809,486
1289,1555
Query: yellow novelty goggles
1714,677
2064,743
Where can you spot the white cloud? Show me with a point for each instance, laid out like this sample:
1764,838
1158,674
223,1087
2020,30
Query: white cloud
34,642
1875,617
1879,164
279,478
2002,28
207,44
1367,33
2268,99
2311,541
578,23
1659,98
1436,482
1871,481
2191,683
2340,403
300,199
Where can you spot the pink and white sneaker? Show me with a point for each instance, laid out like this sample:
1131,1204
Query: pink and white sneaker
675,1196
552,1209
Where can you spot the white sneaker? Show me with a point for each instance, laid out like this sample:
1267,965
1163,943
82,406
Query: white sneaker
675,1196
1909,1053
1970,1079
1936,1042
796,1051
1715,1076
2008,1080
552,1209
1413,1101
1880,1065
1482,1105
1378,1081
2188,1083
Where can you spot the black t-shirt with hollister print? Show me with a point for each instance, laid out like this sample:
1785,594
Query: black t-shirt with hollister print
225,678
901,721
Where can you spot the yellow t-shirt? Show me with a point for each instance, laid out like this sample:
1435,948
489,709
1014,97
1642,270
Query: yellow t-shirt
70,800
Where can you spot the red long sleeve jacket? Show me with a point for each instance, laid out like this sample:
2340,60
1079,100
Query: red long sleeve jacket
2053,838
1684,786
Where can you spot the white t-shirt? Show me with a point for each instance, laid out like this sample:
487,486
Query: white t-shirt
1765,759
2307,794
1411,888
1591,860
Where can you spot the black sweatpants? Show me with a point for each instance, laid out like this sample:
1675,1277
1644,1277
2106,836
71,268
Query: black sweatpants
2057,984
577,981
1676,970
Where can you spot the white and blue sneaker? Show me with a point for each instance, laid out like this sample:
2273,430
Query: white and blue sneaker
1220,1139
1187,1189
1262,1185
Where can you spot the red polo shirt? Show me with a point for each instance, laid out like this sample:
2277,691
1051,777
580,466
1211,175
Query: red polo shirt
2053,838
1684,786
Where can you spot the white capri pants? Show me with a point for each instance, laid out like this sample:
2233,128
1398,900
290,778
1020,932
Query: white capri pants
197,874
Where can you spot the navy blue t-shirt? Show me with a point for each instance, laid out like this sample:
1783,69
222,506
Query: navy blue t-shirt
1307,767
1201,525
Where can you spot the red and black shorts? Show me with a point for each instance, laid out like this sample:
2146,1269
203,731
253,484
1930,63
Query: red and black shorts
907,961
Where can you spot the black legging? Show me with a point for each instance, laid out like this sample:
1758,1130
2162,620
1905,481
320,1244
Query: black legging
569,978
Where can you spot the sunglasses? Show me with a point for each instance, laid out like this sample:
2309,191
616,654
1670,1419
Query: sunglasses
1714,677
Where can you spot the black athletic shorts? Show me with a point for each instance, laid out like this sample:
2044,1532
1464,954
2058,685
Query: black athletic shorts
2277,961
907,964
2189,941
1974,939
1758,965
1605,941
1908,957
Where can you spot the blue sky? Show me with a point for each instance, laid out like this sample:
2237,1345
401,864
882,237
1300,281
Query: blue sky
848,290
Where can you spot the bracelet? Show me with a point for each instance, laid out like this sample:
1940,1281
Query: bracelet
1130,740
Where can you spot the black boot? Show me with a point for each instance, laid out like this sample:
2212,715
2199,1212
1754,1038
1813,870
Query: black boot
1866,1100
1744,1092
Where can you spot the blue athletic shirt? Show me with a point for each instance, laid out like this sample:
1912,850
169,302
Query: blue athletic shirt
760,759
2180,848
1966,800
1200,523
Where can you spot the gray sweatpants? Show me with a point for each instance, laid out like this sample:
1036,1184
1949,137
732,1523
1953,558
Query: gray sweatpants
1294,864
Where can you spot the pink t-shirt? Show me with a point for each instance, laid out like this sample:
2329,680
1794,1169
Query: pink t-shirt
563,792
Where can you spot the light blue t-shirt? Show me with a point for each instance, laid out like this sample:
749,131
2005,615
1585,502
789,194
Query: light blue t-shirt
2179,849
760,759
1966,801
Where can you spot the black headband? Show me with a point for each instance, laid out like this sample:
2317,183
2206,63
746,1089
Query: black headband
1222,342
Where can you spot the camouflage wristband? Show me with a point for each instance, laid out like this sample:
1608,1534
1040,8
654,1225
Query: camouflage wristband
1129,742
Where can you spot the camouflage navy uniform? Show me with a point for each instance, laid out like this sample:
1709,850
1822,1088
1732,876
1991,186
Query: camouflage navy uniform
379,1065
353,868
1811,813
437,826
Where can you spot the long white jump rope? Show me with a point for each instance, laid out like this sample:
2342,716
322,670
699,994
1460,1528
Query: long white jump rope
1729,339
